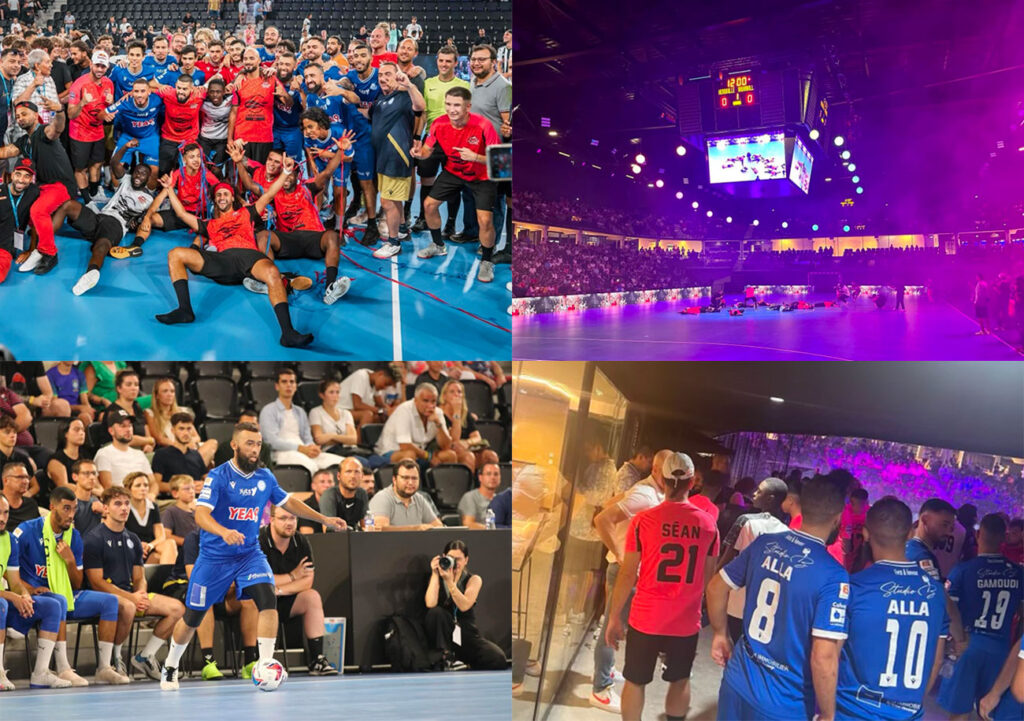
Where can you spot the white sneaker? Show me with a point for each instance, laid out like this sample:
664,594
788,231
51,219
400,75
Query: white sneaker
336,290
169,679
31,262
254,286
148,665
74,678
616,676
533,668
387,250
432,249
486,274
359,218
5,683
111,676
88,281
48,680
606,700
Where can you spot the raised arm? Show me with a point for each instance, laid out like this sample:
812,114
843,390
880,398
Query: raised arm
264,200
236,151
116,166
54,128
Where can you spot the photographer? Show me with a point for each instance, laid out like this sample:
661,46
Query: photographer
451,620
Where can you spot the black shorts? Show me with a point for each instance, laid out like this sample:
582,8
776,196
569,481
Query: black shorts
171,221
284,606
258,151
449,186
214,150
95,225
168,157
300,244
86,152
428,167
229,267
175,589
642,651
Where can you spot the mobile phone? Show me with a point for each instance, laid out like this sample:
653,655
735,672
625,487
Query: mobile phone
499,162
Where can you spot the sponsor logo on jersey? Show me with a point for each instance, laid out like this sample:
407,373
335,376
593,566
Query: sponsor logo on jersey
236,513
41,570
844,590
247,491
837,614
262,486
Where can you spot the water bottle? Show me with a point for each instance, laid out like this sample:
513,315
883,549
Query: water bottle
489,520
946,671
368,521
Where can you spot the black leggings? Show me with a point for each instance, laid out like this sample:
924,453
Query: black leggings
476,651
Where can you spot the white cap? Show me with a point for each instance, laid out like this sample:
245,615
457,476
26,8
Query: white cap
100,57
677,465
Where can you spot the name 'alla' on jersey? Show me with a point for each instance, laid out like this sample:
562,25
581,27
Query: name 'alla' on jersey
236,500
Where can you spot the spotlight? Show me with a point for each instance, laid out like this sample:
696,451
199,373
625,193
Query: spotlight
756,222
680,150
640,158
679,195
814,227
785,224
695,205
728,219
710,213
776,399
839,140
845,155
635,168
553,133
660,183
851,167
859,190
846,229
814,134
856,179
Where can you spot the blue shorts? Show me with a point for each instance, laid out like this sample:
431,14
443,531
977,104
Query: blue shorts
376,461
90,604
211,577
365,160
290,141
47,611
339,172
973,675
733,707
149,149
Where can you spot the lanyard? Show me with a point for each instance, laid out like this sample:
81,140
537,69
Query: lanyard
14,206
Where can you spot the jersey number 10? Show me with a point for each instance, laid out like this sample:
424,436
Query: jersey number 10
913,669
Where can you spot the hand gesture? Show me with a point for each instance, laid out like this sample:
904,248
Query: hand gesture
721,649
280,91
305,568
64,551
24,604
53,105
614,633
87,97
296,83
235,151
133,143
466,154
266,71
417,149
338,524
165,182
344,143
288,164
346,84
402,80
108,98
233,537
172,66
39,79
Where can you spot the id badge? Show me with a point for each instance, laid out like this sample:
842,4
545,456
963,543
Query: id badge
457,635
19,240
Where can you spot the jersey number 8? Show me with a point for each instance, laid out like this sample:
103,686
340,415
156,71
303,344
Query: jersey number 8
762,620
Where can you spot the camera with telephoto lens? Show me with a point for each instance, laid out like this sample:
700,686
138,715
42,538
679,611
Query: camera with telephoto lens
446,563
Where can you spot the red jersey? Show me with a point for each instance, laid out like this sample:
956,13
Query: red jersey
295,210
476,135
835,550
187,188
254,120
230,72
382,58
181,120
87,126
705,504
232,230
208,69
674,540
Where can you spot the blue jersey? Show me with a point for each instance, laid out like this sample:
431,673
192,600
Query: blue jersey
988,591
134,121
333,105
288,119
304,62
897,614
11,562
123,79
152,68
170,77
32,555
918,551
237,500
357,122
368,89
795,590
265,55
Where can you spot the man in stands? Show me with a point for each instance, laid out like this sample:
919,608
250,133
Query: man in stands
86,480
117,460
286,428
87,99
473,504
401,508
319,483
347,500
14,210
16,477
179,457
412,427
359,393
252,114
113,564
291,560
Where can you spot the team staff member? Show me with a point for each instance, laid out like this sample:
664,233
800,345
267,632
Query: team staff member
252,112
14,211
87,101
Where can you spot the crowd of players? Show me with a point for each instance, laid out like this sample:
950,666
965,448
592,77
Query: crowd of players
80,521
822,604
249,147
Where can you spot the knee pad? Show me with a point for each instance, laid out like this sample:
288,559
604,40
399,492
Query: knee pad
263,596
50,613
193,617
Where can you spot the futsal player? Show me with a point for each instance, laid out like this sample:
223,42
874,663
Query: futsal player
898,624
668,546
228,512
794,618
935,523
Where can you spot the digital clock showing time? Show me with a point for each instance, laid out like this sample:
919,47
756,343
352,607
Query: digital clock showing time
735,91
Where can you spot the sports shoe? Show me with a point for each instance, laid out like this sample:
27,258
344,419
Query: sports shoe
88,281
247,669
45,264
502,256
616,676
31,262
169,679
463,238
336,290
212,673
370,236
447,231
111,676
533,668
432,249
382,225
606,700
403,231
420,225
5,683
148,665
48,679
125,251
359,218
517,689
486,274
389,249
73,678
121,667
322,667
254,286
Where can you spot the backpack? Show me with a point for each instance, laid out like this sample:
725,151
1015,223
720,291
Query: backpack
405,643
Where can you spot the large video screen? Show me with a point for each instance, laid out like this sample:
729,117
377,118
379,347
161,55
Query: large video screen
742,158
800,169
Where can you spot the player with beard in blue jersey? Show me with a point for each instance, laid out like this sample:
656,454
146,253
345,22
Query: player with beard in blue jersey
287,129
988,590
794,617
228,514
135,116
888,677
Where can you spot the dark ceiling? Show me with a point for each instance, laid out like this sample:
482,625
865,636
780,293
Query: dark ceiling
963,406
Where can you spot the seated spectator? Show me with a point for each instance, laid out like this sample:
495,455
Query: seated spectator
100,377
466,440
330,424
118,459
291,560
15,478
501,504
474,504
144,521
9,451
12,406
450,599
86,481
434,374
225,452
414,427
127,387
321,481
368,483
179,520
489,372
401,508
70,448
285,429
38,390
113,564
358,394
160,420
347,499
180,457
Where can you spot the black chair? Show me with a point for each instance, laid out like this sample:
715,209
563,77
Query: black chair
46,432
217,395
265,369
261,391
308,395
371,434
210,369
494,433
479,399
506,476
94,623
451,519
219,429
293,479
317,370
96,435
158,369
382,477
449,482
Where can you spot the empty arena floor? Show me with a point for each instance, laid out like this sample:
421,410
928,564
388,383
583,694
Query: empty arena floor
926,331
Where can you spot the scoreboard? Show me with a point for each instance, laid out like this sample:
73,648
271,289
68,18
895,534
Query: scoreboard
735,91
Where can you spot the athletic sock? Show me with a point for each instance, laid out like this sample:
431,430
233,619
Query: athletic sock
152,647
60,654
283,318
175,654
44,650
92,266
332,274
183,313
435,235
406,209
266,648
424,192
103,660
1,658
248,654
486,253
290,338
118,649
139,240
316,647
207,655
86,195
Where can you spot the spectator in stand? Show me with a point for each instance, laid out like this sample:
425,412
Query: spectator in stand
393,37
68,383
347,499
15,478
400,507
368,482
37,389
71,447
159,419
127,387
414,30
466,440
330,424
474,504
101,379
179,520
89,511
416,431
144,521
285,428
501,504
434,375
117,460
505,56
321,482
180,458
359,393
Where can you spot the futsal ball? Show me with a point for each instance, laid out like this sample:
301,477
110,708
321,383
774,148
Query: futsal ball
267,675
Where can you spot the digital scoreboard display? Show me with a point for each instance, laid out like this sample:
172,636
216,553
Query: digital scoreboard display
745,158
735,91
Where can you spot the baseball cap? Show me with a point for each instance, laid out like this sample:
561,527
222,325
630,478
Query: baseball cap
27,165
118,415
28,104
100,57
677,465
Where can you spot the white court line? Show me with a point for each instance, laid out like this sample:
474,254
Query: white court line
396,312
471,275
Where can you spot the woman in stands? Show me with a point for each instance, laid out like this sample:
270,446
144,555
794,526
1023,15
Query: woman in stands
144,522
332,426
466,440
126,384
158,418
70,448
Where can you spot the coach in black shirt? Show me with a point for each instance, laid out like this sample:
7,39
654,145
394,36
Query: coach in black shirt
347,500
178,458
